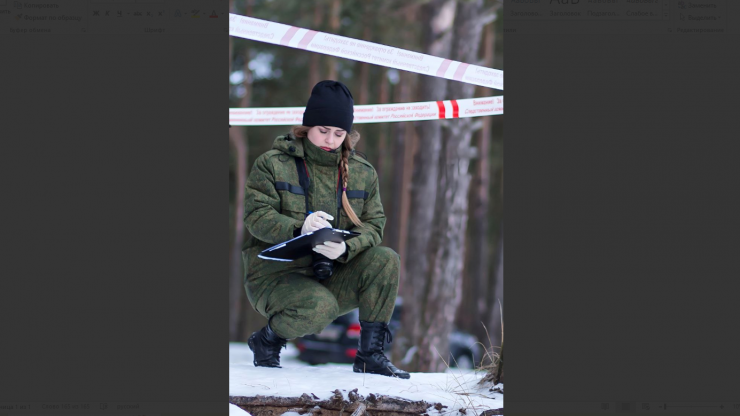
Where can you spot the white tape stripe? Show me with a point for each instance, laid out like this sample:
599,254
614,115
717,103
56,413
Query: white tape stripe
375,113
448,109
359,50
443,68
297,38
461,70
451,70
285,40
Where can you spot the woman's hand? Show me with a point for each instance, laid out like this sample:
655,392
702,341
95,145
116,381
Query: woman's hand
316,221
331,249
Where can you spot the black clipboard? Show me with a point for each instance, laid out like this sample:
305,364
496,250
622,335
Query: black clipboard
303,245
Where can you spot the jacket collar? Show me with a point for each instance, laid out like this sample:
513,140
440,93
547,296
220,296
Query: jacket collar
320,157
289,145
302,147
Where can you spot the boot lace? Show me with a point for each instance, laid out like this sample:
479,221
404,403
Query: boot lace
274,346
279,345
376,344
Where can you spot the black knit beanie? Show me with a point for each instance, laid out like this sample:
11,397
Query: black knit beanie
330,104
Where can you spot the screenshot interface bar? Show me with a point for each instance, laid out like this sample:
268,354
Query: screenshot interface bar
622,16
146,17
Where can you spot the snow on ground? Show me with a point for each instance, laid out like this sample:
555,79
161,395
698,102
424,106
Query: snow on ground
455,388
235,410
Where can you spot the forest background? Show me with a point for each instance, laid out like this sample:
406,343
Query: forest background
441,182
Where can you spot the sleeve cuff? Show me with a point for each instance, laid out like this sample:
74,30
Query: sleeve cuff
344,258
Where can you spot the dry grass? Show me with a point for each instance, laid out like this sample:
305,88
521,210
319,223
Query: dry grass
459,384
493,362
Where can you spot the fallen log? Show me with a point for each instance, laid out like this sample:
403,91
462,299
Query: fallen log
337,405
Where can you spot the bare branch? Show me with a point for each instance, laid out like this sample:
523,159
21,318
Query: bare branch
486,17
489,15
360,410
477,125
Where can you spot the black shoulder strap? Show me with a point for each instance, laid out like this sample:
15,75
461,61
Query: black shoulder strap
303,179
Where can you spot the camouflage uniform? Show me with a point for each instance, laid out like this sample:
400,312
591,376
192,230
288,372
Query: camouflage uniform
286,293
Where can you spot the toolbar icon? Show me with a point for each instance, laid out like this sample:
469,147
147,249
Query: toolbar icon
626,407
17,5
177,13
681,5
213,15
195,14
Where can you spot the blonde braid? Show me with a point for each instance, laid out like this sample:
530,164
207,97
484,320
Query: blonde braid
345,180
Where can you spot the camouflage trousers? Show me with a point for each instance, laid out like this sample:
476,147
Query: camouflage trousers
299,305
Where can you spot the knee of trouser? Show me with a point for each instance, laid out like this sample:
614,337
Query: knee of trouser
386,256
323,311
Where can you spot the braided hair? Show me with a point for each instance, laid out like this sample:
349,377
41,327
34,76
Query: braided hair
347,145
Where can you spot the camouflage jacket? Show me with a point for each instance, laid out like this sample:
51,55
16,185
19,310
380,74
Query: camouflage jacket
274,208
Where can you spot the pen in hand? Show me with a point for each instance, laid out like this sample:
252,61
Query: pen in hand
315,221
322,217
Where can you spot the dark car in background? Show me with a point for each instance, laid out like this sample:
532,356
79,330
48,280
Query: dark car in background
338,342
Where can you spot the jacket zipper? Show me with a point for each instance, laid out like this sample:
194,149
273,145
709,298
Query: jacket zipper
339,197
336,190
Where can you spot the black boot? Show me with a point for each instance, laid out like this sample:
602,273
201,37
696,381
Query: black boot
370,357
266,345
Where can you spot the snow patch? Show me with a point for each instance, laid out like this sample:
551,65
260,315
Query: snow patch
453,390
235,410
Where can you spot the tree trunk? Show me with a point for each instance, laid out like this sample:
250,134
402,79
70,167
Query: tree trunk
313,71
441,181
234,293
336,6
241,313
402,141
231,45
496,304
363,97
422,326
451,209
474,307
235,270
364,69
383,99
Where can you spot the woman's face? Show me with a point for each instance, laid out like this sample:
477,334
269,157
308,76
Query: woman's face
326,137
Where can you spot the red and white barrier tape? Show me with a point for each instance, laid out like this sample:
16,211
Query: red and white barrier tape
359,50
376,113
